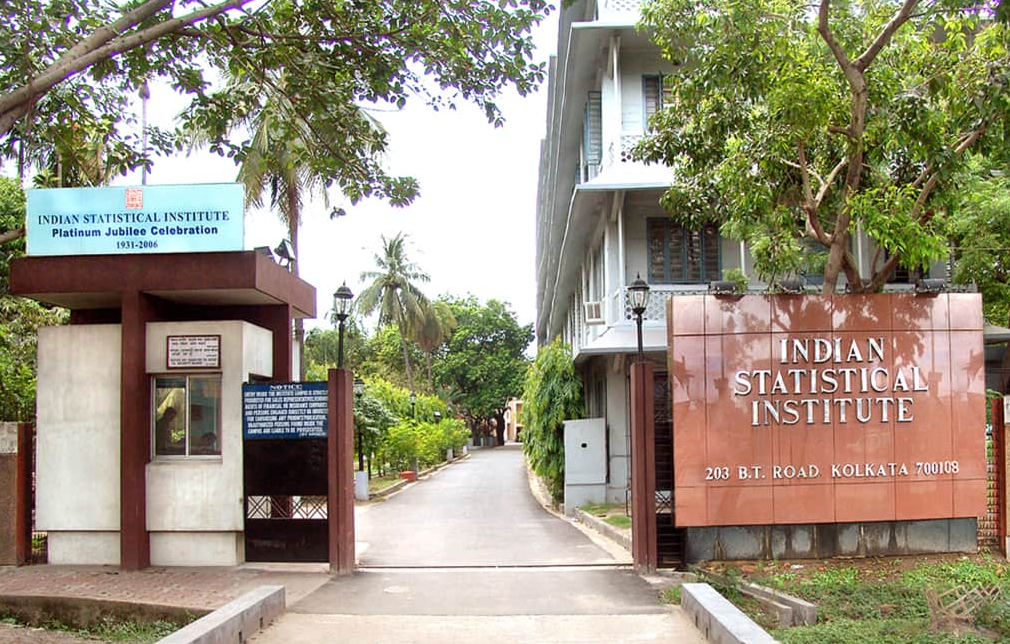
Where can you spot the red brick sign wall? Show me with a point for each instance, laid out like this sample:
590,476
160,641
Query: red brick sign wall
816,409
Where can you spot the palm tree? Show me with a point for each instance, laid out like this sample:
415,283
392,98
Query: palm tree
394,294
276,162
436,325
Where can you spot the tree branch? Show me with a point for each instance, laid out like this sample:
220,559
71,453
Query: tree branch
900,18
825,31
100,46
11,235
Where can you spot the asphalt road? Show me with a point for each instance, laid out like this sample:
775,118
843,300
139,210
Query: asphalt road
469,556
477,512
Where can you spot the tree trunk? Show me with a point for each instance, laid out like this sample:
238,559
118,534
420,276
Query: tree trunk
427,357
294,219
500,427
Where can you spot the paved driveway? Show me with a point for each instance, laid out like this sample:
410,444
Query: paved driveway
477,512
469,556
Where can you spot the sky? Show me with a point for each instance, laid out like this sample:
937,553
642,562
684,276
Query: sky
472,228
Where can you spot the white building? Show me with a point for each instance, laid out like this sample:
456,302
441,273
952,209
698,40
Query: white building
599,222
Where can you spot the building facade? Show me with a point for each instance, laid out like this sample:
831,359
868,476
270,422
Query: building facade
600,224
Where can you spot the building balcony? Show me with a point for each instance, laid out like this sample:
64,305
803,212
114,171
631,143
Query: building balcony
612,9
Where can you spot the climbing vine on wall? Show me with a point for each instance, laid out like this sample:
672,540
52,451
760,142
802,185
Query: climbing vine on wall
552,394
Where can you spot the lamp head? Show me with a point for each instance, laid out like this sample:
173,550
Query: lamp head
638,295
359,387
285,251
342,302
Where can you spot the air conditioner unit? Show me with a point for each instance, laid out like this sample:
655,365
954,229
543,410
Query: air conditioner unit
594,312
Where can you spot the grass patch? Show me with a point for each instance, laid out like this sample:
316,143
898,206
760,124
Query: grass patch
379,483
107,629
671,595
600,509
878,599
619,521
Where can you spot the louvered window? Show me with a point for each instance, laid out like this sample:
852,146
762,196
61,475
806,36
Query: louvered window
678,255
655,94
592,135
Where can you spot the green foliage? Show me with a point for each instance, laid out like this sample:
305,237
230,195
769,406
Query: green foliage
321,349
425,441
107,629
61,64
484,361
671,595
551,395
619,521
382,355
393,293
739,279
13,207
782,131
19,318
980,233
965,572
857,631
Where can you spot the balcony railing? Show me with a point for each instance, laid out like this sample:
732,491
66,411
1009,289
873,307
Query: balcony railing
655,311
612,8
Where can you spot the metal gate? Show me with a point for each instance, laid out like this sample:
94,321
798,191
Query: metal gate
992,526
669,539
285,500
285,474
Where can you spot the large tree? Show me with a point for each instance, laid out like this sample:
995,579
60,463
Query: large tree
62,61
484,361
793,124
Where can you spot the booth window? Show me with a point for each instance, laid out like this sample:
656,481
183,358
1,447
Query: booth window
187,415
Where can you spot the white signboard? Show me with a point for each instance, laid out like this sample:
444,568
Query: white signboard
194,351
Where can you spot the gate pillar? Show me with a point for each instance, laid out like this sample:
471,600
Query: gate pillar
643,468
340,460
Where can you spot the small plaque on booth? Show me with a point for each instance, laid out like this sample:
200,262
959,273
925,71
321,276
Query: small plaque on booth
194,352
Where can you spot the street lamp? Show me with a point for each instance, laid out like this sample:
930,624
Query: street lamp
359,391
413,403
341,309
638,297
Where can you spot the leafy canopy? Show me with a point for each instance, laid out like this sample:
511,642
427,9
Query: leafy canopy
484,360
70,63
791,124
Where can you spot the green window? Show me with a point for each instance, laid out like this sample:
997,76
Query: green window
681,256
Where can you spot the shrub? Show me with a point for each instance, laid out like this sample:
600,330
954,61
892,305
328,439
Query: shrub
552,394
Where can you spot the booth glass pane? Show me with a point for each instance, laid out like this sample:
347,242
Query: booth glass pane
204,416
169,416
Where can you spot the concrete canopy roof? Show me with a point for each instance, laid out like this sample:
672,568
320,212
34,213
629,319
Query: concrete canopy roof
243,278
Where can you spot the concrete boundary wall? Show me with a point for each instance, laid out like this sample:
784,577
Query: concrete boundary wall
718,620
236,621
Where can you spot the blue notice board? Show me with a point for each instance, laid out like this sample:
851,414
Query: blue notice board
284,410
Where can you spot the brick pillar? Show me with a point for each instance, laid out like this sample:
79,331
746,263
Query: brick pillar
340,479
643,468
135,433
24,494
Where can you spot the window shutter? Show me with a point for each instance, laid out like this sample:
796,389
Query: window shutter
592,136
652,94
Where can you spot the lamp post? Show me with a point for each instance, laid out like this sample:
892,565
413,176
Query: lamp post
413,403
638,296
341,309
359,391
